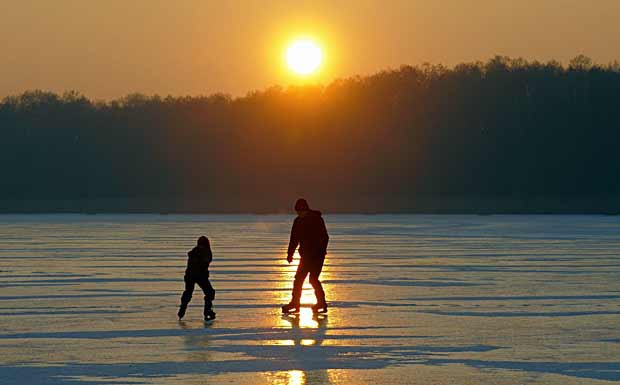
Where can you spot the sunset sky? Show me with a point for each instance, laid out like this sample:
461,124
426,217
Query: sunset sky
109,48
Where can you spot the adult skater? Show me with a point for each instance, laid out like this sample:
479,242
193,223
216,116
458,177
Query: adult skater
310,234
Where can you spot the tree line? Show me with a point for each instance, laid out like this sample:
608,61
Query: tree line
506,135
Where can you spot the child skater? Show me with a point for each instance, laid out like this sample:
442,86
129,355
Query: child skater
197,272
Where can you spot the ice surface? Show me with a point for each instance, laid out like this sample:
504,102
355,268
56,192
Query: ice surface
92,299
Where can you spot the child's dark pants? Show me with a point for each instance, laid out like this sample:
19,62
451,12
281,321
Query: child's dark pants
202,281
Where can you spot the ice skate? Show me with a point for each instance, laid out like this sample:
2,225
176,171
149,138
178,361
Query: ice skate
209,315
290,308
181,312
320,308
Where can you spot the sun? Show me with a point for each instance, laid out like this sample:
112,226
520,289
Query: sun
304,57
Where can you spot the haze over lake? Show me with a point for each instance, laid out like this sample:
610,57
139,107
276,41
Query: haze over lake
91,299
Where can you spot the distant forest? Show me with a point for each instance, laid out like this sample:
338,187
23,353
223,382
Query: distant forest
505,136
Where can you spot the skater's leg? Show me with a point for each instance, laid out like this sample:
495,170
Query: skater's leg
209,293
298,284
207,289
319,293
189,290
186,296
300,277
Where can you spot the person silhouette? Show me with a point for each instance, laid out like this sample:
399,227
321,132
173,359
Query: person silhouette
310,234
197,272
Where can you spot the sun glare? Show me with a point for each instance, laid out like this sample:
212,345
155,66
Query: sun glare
304,57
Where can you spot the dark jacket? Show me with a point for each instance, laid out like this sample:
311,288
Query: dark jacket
198,261
310,234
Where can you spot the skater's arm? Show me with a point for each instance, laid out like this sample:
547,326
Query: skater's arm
189,259
325,236
294,241
209,257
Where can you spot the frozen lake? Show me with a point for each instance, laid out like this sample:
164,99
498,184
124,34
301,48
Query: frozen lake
92,299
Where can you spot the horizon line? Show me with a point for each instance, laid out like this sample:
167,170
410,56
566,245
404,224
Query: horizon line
586,60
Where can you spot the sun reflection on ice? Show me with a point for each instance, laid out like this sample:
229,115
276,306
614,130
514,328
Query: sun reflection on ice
292,377
306,332
296,377
305,319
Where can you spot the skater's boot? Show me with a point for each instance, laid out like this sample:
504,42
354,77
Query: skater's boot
182,310
209,314
290,308
320,307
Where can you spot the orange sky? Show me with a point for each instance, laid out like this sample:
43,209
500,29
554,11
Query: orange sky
109,48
